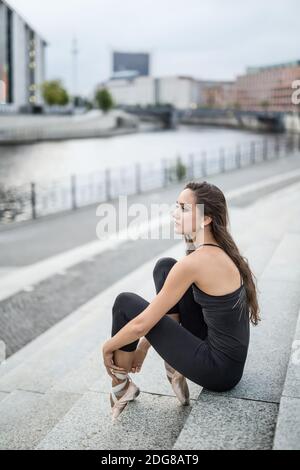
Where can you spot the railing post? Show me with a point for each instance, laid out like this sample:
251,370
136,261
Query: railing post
294,143
222,160
73,192
108,184
289,143
138,178
265,149
277,147
287,148
191,166
33,200
252,154
238,156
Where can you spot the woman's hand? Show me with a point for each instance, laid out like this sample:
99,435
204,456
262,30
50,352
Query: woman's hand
138,359
108,359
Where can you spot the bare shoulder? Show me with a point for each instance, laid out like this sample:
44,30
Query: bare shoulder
194,263
187,267
187,264
214,267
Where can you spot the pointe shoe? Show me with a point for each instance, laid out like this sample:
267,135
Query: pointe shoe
130,394
179,384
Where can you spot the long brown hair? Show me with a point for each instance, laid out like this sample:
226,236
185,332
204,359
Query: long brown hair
215,206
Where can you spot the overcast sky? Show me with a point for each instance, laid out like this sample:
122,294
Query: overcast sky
209,39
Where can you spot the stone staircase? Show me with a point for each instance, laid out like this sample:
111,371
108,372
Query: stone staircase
54,392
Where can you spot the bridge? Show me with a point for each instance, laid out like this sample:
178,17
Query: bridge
171,116
167,114
273,120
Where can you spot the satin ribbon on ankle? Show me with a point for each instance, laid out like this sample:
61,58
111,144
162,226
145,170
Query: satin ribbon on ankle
119,375
118,387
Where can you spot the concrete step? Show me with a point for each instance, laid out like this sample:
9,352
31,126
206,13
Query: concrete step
245,417
225,423
150,422
26,417
287,432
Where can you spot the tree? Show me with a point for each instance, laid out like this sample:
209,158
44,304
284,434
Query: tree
104,99
54,93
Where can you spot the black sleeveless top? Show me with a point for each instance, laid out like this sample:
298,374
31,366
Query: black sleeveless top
227,319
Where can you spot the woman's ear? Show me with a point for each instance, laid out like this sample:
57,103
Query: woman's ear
207,220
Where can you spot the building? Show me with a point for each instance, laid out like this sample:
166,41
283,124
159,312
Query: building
22,62
183,92
135,62
218,94
267,88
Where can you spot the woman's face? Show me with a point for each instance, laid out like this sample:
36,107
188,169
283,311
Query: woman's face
186,214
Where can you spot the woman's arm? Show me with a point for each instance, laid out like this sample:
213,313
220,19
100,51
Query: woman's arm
179,279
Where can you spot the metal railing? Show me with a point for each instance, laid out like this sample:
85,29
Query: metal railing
34,200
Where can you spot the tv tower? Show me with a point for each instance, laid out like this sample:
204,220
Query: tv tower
75,52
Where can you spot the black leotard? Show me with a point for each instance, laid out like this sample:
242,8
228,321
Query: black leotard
227,320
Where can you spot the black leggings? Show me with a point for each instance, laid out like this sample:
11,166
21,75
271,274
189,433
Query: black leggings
181,344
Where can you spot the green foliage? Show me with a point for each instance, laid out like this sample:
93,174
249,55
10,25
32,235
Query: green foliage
180,169
54,93
104,100
176,172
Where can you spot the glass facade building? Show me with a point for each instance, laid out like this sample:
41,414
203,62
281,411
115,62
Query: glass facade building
22,61
127,61
6,68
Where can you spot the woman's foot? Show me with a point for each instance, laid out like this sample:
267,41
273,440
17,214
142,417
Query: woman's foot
122,393
118,392
179,384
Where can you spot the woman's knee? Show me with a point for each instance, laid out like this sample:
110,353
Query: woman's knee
127,305
121,302
119,311
164,264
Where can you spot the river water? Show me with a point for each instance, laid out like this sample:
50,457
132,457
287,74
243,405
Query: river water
45,161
